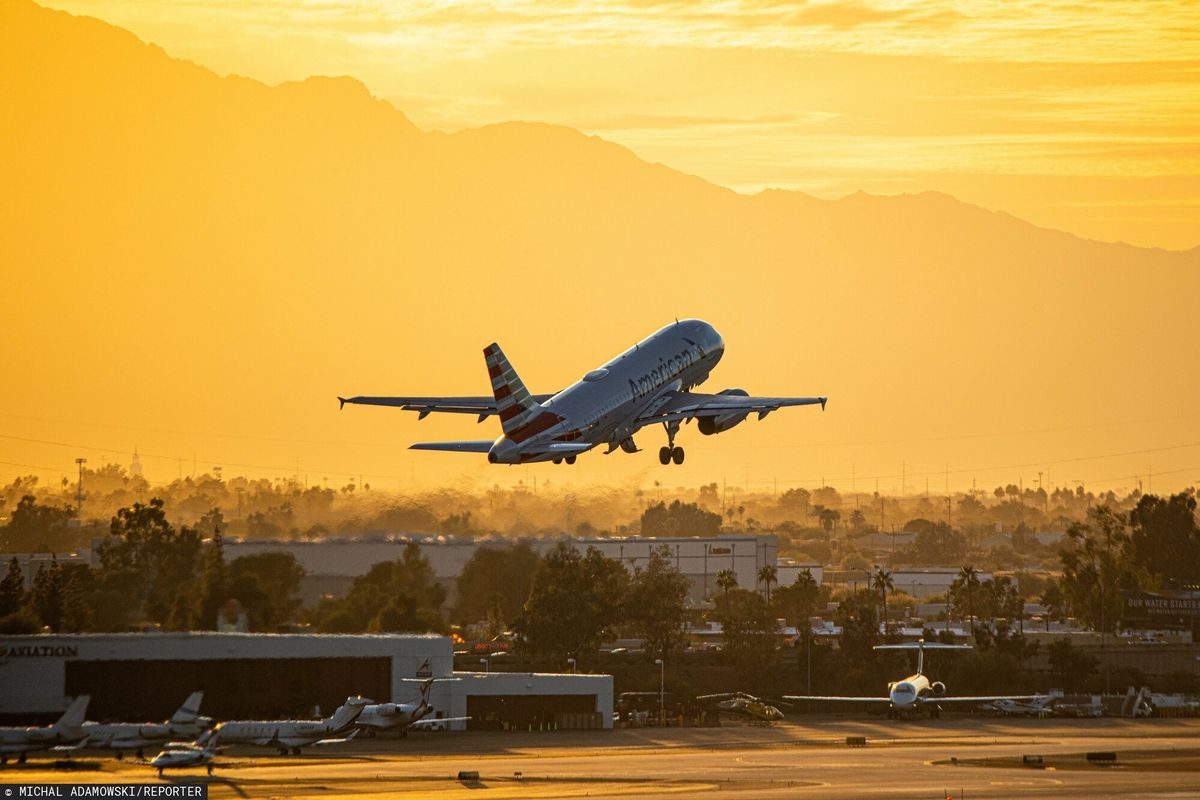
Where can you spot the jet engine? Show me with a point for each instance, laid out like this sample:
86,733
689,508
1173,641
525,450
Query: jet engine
938,688
719,423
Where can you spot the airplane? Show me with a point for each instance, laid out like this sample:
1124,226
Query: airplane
1007,707
744,704
185,723
402,716
649,384
293,734
66,733
179,755
916,692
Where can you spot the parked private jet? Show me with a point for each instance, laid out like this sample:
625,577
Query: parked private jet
66,732
291,735
916,693
180,755
403,717
649,384
185,723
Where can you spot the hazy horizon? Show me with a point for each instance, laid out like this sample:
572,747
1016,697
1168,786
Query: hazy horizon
236,256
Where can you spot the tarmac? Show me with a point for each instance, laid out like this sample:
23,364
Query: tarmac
809,758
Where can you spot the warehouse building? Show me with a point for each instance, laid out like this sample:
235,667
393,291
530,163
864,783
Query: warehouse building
145,676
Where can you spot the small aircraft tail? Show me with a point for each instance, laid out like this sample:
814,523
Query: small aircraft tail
346,714
513,402
75,714
190,710
425,687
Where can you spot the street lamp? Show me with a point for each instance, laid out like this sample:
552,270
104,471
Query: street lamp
662,678
571,661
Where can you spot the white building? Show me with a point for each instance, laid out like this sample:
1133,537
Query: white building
144,676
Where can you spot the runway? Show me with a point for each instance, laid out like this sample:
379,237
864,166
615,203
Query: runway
807,759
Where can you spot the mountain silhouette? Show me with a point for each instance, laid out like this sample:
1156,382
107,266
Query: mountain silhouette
187,246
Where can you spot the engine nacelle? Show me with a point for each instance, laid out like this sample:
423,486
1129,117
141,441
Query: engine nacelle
938,688
723,422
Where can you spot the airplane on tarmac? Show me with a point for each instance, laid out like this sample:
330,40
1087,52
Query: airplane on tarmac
66,733
185,723
649,384
916,693
179,755
402,717
746,705
293,734
1007,707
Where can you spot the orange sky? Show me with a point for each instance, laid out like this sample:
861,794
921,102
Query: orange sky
198,266
1078,116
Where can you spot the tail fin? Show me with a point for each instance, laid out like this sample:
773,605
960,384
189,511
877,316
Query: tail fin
513,402
75,714
189,710
346,714
425,687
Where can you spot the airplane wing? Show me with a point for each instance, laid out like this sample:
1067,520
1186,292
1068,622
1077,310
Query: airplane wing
834,699
981,699
340,740
433,723
482,406
688,405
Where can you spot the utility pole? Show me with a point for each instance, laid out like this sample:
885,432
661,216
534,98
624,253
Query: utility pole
79,491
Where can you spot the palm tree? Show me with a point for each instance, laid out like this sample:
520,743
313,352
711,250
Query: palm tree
881,582
726,580
969,579
768,574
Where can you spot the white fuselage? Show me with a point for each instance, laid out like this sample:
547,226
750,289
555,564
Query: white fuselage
130,736
604,405
390,716
906,694
281,733
182,756
25,740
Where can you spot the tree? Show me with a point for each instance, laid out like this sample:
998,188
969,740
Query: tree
12,589
968,580
1164,538
214,582
797,602
1054,602
386,584
859,621
495,581
276,577
46,595
768,574
147,562
1094,577
749,630
35,528
726,580
881,581
574,605
679,519
655,605
1069,667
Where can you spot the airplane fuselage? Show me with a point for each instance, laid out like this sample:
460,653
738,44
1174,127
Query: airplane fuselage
284,733
604,405
25,740
130,736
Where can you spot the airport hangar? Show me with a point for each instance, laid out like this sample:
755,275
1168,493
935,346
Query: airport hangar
145,676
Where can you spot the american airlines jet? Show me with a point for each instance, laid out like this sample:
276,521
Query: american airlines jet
649,384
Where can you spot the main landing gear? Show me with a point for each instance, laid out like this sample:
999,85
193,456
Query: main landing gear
671,453
569,459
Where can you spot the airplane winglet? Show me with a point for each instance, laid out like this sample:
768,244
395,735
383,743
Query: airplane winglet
341,403
824,400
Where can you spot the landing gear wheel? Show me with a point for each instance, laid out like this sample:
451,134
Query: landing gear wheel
295,751
121,755
677,456
570,459
558,461
141,754
210,769
664,455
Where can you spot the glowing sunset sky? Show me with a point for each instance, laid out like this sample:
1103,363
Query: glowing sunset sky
1084,117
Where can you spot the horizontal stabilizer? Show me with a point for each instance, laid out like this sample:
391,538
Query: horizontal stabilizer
469,446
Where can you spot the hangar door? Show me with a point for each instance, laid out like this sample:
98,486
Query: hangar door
234,688
493,711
